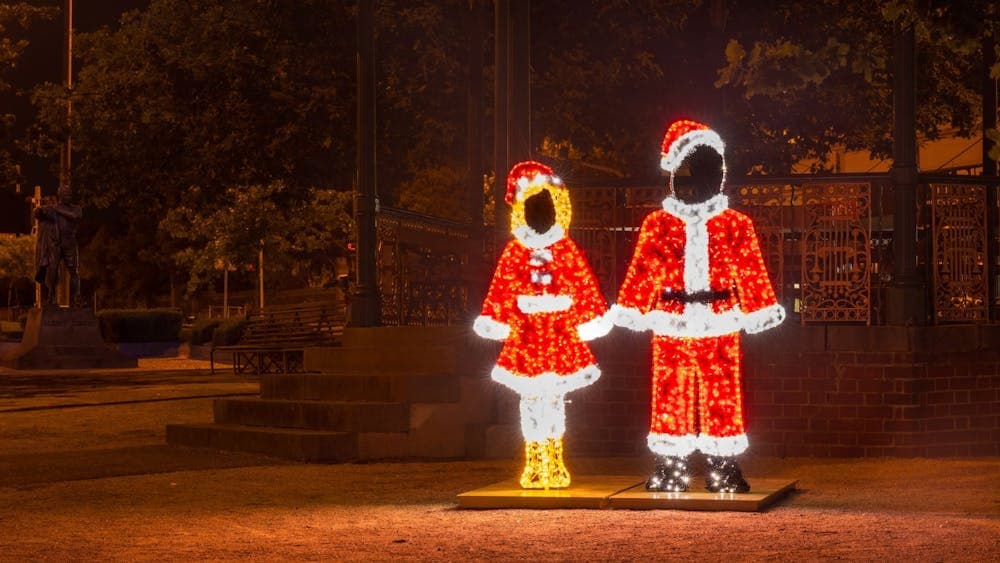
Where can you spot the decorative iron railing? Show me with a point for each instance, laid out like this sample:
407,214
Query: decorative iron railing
960,252
827,242
427,269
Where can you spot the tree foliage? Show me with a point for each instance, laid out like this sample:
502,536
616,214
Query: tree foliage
606,79
421,49
188,101
300,237
17,257
809,77
17,266
15,19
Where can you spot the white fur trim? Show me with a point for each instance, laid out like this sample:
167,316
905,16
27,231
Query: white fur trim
488,328
545,303
696,256
698,320
681,446
763,319
543,417
537,180
725,446
688,212
596,327
533,239
667,444
548,383
685,144
540,257
541,278
628,317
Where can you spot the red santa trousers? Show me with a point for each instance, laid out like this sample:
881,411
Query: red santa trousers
697,400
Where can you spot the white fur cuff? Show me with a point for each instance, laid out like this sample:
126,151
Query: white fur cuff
595,328
667,444
681,446
628,317
763,319
725,446
488,328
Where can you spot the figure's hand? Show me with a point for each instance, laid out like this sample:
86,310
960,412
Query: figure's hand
486,327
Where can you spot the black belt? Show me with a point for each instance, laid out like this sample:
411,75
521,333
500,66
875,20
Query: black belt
697,296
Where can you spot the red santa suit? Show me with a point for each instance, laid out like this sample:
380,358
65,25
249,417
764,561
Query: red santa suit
544,291
697,278
544,302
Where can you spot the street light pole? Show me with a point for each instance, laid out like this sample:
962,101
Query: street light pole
65,160
365,307
906,297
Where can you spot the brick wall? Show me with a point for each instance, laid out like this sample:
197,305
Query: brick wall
836,391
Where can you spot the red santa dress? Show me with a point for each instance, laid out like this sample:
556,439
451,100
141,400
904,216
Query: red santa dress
545,303
697,278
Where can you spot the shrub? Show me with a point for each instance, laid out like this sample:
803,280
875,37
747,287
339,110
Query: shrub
202,331
229,332
140,325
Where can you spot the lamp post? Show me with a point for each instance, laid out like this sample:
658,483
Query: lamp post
365,307
65,157
906,297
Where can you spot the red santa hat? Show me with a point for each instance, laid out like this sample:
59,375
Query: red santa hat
682,138
528,173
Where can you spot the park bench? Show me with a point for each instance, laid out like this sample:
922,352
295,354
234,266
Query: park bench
276,338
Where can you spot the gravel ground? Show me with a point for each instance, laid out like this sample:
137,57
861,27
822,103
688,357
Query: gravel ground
85,475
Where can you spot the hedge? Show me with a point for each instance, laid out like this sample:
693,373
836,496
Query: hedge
229,332
140,325
202,331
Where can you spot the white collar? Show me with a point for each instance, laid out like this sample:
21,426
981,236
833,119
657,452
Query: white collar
694,211
533,239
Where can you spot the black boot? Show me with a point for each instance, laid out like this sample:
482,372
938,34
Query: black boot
670,474
724,476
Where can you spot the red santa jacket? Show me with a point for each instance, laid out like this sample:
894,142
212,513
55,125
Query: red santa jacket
697,271
545,303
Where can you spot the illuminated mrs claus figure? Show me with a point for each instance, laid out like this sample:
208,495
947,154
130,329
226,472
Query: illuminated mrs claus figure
697,278
544,303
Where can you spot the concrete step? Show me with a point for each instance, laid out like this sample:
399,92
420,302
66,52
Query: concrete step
317,415
361,387
295,444
400,360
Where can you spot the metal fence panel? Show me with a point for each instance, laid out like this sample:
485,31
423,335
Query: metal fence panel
959,253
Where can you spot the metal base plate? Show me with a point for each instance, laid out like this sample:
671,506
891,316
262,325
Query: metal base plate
763,492
623,491
587,491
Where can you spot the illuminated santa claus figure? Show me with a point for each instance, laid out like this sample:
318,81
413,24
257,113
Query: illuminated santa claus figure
544,303
697,278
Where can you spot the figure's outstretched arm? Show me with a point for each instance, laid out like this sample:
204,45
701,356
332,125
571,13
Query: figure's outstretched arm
70,211
494,320
589,311
757,298
637,294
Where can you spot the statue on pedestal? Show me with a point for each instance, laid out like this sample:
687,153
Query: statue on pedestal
57,226
56,337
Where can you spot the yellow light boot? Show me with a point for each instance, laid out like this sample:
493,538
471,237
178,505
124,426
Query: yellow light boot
558,475
534,467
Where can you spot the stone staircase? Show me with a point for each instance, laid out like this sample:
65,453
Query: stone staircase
386,393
